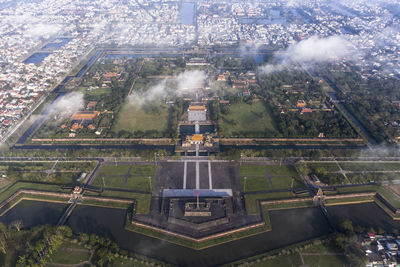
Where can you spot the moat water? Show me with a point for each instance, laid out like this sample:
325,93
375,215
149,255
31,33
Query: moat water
288,227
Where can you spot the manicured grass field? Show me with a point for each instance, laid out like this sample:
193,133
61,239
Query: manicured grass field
134,117
109,181
111,170
286,170
140,183
98,91
286,182
149,170
251,184
252,170
246,120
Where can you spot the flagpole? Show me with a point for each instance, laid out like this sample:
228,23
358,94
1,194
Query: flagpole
197,199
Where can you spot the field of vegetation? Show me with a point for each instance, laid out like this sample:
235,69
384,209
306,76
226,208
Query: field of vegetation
268,177
136,119
126,176
348,172
246,120
52,171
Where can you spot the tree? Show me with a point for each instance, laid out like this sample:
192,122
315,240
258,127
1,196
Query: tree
321,171
347,226
304,169
17,225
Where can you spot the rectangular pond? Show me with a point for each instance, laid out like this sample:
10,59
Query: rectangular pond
56,44
187,13
37,57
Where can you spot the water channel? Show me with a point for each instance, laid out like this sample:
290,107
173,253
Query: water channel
288,227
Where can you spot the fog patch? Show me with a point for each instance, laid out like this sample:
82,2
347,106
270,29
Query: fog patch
311,51
67,105
42,30
184,83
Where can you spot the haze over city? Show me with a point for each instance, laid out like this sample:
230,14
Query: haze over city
199,133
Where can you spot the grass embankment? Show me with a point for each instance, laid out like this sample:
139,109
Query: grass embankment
251,200
15,187
349,200
198,245
392,198
143,200
246,120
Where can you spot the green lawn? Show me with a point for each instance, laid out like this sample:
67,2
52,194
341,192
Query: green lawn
140,183
111,170
98,91
391,197
136,182
109,181
255,184
142,199
149,170
286,182
10,190
287,170
356,189
148,117
283,261
252,203
65,256
334,258
252,170
246,120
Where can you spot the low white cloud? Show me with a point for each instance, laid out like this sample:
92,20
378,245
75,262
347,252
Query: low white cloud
315,49
190,80
42,30
185,82
250,48
310,51
67,105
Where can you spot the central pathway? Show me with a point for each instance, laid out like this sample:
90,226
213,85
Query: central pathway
197,168
197,164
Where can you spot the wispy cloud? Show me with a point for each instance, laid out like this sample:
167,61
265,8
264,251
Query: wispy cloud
310,51
185,82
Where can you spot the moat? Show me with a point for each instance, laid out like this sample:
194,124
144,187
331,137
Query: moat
285,230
